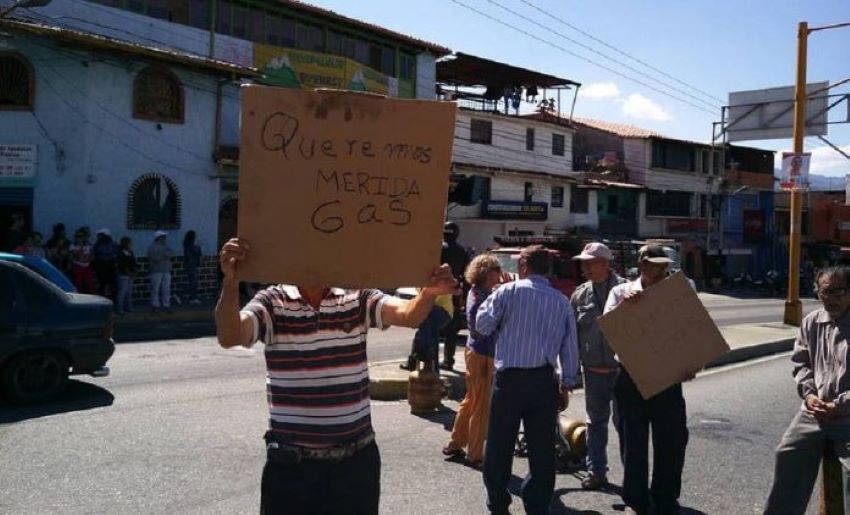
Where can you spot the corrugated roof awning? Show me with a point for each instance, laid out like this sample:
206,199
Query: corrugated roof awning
462,69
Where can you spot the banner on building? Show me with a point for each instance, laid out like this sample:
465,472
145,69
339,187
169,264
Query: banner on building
795,170
303,69
664,336
342,189
513,210
18,165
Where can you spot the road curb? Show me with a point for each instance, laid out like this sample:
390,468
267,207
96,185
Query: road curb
395,389
754,351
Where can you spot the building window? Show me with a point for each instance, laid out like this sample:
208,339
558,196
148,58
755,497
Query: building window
310,37
407,65
558,144
481,131
529,192
557,195
153,203
529,139
669,203
579,200
673,156
613,204
16,82
158,96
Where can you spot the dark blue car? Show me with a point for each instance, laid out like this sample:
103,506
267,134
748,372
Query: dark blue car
43,268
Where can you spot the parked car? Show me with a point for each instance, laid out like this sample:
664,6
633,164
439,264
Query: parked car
563,275
47,334
43,268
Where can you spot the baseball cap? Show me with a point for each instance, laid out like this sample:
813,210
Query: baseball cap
104,232
595,250
158,234
654,254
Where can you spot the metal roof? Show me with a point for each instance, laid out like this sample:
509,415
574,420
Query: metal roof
327,13
99,42
468,70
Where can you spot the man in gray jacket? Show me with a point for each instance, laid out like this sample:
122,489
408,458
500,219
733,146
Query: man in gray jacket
159,268
823,382
597,359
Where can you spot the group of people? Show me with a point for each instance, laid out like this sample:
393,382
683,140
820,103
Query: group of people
527,344
108,269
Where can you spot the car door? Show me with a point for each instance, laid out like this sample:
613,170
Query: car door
42,307
11,326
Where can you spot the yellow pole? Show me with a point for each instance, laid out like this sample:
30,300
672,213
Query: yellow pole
793,307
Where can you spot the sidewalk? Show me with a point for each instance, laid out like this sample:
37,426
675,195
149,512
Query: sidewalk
746,341
184,321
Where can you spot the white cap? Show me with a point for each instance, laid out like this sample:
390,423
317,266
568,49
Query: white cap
103,231
595,251
159,234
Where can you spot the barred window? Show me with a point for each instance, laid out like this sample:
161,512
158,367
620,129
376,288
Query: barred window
153,203
158,96
17,83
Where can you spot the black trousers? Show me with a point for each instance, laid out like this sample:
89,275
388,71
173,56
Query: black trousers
530,396
665,414
351,486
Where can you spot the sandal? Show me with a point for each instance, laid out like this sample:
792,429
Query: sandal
452,452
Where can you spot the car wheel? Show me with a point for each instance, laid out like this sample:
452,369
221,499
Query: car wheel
35,376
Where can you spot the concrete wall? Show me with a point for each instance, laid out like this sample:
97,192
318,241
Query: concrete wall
508,147
426,76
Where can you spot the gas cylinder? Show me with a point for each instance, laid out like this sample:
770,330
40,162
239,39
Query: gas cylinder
424,391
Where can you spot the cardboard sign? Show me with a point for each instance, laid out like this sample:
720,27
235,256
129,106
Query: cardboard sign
342,189
665,335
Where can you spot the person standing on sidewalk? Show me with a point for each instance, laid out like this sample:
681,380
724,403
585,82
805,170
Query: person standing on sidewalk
104,264
823,382
458,258
321,455
127,267
664,412
159,268
81,257
598,360
534,329
483,273
191,262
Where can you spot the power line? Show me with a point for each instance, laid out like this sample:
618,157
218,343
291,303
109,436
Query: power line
581,57
621,52
606,56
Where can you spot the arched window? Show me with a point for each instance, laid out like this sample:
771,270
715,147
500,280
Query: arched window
17,84
153,203
158,96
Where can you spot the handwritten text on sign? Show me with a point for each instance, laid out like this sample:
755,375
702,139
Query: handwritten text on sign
342,175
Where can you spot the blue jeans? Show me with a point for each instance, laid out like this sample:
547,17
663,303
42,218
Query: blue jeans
598,397
530,396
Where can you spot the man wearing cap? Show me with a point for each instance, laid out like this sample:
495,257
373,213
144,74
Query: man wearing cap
597,359
458,259
159,267
534,329
664,413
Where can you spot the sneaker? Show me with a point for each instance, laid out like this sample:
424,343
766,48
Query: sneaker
594,482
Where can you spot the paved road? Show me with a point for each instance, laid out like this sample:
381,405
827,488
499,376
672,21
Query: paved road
178,426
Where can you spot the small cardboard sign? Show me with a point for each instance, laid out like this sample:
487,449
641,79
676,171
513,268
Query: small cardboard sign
344,189
663,336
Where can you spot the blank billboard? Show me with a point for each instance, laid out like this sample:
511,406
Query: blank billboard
769,113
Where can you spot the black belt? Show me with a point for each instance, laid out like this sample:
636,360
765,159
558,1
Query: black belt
283,453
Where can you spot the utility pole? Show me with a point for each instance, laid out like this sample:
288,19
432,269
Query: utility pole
793,307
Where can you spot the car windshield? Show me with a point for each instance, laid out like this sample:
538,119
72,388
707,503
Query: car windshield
507,261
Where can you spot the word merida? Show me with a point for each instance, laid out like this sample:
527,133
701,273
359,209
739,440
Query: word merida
384,199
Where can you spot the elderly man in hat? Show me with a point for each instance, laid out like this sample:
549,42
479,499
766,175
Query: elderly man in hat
597,359
535,332
664,413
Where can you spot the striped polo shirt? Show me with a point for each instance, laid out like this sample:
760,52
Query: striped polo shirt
317,379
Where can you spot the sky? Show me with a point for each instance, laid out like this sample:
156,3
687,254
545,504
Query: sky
634,58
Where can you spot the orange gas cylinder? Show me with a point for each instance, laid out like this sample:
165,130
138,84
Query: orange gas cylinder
424,391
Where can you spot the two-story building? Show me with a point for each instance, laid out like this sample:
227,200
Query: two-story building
124,114
516,171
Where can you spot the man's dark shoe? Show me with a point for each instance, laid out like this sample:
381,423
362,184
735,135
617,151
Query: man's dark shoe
594,482
447,366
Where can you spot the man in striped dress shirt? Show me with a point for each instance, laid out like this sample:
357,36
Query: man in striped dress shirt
321,453
535,329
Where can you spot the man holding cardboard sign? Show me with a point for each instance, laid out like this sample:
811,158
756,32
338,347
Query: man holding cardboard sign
321,451
668,325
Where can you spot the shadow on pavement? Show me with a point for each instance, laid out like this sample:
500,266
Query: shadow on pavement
78,396
444,416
